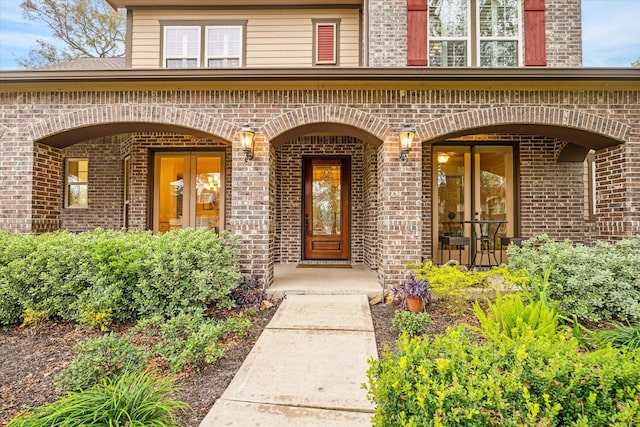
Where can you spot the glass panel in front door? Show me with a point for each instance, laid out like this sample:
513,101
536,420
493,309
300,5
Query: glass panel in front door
326,204
209,193
170,193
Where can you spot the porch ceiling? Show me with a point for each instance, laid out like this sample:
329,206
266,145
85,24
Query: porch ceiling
73,136
579,141
325,129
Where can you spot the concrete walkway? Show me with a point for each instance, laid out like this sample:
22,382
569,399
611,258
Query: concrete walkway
306,369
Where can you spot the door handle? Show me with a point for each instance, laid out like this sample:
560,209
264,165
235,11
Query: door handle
306,221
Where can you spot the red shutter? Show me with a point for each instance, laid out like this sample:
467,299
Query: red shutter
535,43
417,32
326,48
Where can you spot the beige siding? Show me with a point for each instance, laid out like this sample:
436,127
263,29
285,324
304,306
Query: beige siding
275,37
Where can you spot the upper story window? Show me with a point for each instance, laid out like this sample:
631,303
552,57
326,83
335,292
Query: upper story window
76,183
224,46
484,33
213,44
182,47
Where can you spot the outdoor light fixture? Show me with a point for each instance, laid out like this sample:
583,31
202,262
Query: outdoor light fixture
246,139
443,158
406,140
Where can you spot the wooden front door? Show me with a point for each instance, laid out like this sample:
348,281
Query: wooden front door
326,208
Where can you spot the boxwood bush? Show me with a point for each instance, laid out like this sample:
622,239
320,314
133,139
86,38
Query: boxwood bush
599,282
459,380
115,275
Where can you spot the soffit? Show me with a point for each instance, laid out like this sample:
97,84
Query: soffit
118,4
322,78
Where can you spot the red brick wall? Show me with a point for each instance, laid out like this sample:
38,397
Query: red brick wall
104,187
48,181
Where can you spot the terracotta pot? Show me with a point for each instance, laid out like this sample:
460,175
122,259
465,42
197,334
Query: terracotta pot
415,304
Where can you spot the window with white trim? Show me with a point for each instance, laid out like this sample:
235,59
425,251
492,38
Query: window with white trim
181,47
486,33
206,43
76,183
224,46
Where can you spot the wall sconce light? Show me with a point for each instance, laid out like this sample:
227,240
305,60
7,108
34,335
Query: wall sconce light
406,140
443,158
246,139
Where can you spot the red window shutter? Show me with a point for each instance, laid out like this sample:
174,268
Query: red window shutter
417,32
535,43
326,44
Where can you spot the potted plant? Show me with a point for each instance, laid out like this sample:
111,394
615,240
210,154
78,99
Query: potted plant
414,294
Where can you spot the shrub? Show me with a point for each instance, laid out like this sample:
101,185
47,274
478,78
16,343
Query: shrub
593,283
103,357
133,399
457,381
411,323
511,318
619,336
413,287
451,280
250,292
190,339
100,276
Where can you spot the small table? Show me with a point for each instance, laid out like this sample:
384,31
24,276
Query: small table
484,240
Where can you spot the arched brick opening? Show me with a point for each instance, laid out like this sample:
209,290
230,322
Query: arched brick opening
581,131
326,119
551,181
325,131
71,127
106,136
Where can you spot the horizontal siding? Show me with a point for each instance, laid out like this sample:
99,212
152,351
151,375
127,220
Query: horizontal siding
275,37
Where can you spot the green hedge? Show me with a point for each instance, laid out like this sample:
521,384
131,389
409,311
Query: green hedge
599,282
459,381
115,275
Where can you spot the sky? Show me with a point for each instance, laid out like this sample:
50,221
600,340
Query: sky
610,33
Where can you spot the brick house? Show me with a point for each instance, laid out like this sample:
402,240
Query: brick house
507,127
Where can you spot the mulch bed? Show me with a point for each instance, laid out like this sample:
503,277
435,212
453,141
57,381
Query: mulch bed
29,360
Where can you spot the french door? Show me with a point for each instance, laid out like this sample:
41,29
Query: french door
188,191
471,183
326,208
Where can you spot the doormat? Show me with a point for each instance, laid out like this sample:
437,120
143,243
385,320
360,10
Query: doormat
323,266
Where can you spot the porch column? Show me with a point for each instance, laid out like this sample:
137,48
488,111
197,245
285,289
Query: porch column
400,210
251,213
16,180
618,191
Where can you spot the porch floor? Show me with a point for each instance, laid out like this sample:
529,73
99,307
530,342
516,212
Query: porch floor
356,280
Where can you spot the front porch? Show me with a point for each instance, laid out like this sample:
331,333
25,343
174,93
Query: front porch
289,279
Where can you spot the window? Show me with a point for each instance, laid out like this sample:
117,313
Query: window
483,33
325,46
182,47
590,186
76,183
213,44
224,46
126,193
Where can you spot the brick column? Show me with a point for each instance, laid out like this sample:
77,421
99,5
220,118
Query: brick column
48,187
400,218
251,211
618,191
16,181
